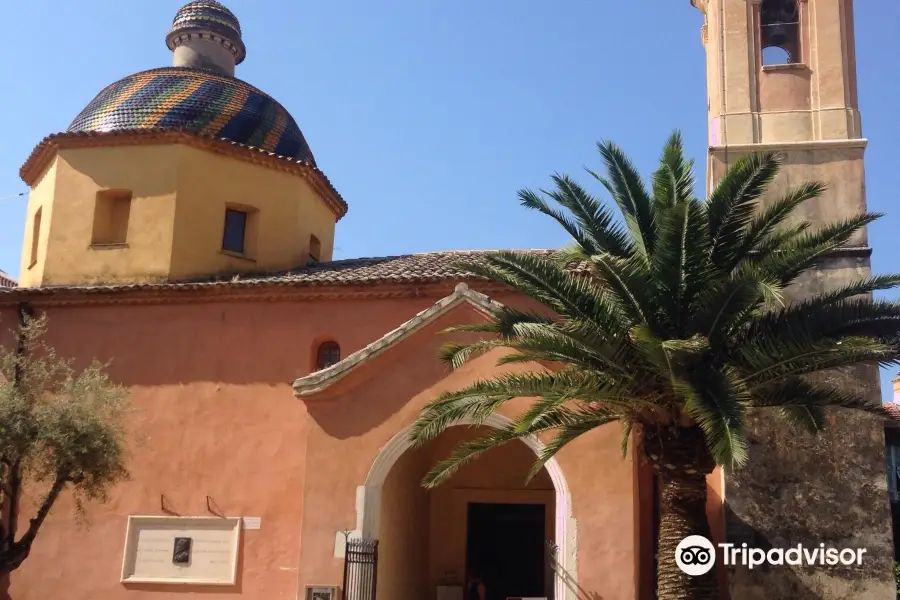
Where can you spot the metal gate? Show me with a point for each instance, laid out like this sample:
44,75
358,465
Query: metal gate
360,570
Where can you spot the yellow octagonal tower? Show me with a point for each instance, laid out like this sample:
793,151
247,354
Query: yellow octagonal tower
180,172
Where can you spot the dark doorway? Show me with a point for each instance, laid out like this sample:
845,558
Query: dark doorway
506,542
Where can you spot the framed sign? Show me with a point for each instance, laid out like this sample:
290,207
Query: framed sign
321,592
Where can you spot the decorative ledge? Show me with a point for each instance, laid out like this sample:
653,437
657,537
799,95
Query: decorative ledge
787,67
320,380
804,145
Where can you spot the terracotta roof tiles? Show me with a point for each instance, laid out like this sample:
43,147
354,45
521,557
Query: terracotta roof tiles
426,267
893,410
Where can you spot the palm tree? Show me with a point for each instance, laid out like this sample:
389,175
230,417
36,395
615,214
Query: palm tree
673,325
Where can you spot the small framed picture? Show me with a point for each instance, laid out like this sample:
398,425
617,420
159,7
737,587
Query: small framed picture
321,592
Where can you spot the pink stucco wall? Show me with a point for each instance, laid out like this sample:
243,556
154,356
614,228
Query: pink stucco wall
215,416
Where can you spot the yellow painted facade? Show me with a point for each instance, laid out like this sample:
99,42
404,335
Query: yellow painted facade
176,219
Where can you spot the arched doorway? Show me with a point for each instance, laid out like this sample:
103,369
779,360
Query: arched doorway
429,538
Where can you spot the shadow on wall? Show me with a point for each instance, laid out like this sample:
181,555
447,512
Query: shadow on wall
380,389
761,581
570,583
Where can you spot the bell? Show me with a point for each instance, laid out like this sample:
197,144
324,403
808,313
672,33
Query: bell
777,35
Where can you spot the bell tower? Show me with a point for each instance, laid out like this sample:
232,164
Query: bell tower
781,76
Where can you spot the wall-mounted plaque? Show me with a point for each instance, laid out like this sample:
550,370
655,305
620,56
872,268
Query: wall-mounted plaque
321,592
182,553
183,550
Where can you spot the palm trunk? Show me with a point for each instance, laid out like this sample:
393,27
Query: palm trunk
680,458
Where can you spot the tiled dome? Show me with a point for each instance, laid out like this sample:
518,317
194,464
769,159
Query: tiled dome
195,101
207,16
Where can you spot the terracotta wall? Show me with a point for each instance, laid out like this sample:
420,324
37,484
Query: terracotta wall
352,421
214,415
403,555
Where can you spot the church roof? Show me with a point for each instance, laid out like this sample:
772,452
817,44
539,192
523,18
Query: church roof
421,268
319,380
893,410
199,102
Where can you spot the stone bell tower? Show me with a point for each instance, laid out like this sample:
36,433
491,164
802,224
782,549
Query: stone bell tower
781,76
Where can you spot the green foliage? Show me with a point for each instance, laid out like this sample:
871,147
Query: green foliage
60,428
677,319
897,577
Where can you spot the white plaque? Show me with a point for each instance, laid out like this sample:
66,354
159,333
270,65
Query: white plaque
252,522
184,550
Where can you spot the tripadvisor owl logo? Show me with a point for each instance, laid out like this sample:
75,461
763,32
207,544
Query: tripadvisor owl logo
695,555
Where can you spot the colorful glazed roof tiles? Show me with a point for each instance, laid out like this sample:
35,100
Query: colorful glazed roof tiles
207,16
195,101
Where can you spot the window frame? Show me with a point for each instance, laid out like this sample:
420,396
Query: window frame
796,58
328,346
112,210
245,214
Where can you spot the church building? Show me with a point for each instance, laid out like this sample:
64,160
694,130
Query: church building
181,229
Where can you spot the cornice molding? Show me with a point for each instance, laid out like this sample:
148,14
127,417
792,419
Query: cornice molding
44,153
320,380
224,292
860,143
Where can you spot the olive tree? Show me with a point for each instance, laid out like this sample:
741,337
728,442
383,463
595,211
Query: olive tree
61,429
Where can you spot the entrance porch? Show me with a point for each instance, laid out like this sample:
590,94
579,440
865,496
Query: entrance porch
484,519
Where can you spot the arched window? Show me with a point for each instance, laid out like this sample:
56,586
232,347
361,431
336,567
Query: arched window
780,32
329,353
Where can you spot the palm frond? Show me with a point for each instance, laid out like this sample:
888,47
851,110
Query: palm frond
673,181
800,391
806,250
479,400
803,402
681,269
732,204
627,188
561,418
726,304
716,400
760,231
766,362
804,416
567,433
544,280
502,321
629,282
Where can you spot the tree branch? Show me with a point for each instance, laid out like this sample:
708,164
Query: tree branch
19,551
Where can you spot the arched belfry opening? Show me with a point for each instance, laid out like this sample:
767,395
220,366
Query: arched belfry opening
779,24
484,518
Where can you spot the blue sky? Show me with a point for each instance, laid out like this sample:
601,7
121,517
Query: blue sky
428,116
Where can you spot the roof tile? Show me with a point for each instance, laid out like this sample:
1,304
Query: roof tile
426,267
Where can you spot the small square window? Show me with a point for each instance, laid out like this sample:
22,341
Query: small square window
112,212
315,250
235,231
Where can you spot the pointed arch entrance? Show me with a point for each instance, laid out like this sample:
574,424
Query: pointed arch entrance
368,502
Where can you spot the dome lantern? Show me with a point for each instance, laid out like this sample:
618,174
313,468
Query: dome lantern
206,35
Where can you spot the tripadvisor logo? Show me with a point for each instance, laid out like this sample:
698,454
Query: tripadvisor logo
696,555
